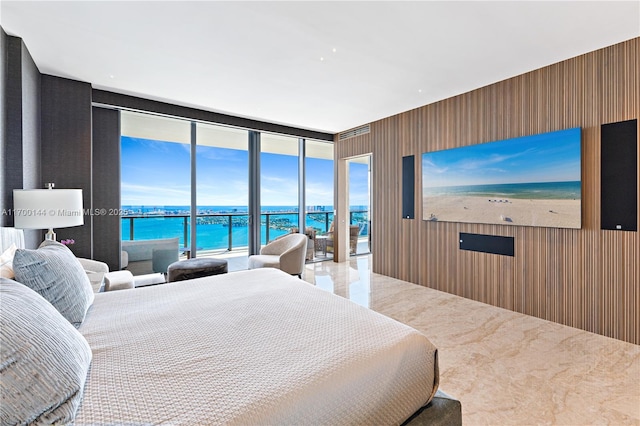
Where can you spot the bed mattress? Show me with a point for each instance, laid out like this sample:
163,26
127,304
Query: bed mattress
250,347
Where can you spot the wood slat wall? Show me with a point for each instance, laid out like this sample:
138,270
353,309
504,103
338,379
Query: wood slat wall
586,278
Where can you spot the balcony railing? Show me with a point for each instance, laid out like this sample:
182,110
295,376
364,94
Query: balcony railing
177,225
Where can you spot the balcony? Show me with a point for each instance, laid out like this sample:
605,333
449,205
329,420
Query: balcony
226,234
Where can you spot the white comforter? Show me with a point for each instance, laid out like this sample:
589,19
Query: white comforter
251,347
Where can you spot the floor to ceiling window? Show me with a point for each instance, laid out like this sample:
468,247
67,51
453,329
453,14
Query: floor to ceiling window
222,188
278,185
176,172
155,179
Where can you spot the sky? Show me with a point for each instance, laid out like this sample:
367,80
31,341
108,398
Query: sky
548,157
157,173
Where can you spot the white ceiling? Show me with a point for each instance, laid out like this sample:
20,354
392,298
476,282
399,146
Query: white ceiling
263,59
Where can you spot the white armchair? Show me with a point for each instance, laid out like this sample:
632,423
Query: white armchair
95,270
286,253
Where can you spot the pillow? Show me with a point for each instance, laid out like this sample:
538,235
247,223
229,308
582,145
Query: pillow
43,359
6,262
56,274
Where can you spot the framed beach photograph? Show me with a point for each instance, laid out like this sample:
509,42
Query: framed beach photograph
527,181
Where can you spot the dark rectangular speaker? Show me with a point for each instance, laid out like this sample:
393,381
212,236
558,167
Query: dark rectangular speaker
492,244
408,187
619,176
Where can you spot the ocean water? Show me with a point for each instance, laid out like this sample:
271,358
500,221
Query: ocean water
531,191
151,222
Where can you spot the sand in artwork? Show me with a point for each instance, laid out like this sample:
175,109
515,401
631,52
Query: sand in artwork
503,211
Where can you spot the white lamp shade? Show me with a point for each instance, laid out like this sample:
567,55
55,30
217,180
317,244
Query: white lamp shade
47,208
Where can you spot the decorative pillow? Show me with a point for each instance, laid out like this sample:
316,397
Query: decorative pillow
56,274
6,262
43,359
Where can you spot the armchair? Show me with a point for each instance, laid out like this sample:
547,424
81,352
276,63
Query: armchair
286,253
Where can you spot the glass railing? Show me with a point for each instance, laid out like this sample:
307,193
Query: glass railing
228,231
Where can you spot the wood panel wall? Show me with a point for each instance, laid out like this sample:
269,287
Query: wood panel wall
586,278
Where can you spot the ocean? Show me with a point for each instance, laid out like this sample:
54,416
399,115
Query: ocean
212,227
531,191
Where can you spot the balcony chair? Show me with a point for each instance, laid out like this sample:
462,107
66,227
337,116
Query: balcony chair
311,234
354,232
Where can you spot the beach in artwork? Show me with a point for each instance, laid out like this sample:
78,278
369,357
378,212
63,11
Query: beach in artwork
501,211
548,204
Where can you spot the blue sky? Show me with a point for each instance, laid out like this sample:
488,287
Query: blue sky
549,157
358,184
157,173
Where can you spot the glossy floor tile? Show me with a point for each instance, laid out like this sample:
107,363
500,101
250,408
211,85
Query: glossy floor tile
506,368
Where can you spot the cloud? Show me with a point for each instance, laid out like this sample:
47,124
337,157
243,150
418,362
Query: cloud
483,163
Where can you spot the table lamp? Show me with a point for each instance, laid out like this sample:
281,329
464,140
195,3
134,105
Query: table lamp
47,209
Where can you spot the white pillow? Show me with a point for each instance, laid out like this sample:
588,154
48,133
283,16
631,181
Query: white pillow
44,360
6,262
56,274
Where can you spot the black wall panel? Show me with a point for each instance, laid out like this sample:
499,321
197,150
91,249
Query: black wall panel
492,244
20,142
408,187
66,148
106,186
12,167
619,176
4,200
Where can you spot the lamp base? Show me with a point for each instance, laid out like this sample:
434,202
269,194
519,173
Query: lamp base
50,235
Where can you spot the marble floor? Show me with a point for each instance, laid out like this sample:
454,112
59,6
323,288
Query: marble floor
505,367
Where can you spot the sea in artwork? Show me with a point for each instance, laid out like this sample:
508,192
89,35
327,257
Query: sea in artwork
224,227
531,190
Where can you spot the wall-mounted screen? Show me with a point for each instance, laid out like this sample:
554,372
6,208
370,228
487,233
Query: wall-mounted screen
528,181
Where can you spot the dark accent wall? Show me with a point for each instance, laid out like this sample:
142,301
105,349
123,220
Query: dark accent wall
20,143
4,201
66,148
106,186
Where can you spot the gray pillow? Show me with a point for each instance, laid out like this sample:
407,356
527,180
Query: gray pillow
43,359
56,274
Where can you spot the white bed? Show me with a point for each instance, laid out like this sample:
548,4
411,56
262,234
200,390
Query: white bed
250,347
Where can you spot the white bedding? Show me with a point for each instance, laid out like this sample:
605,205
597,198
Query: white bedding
250,347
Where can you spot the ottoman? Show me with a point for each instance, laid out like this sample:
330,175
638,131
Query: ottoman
195,268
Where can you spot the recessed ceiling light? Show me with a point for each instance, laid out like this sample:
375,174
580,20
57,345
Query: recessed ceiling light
321,58
419,90
335,50
112,76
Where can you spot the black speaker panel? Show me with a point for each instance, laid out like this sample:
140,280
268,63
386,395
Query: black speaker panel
408,187
492,244
619,176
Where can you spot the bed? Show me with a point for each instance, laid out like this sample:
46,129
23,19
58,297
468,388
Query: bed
249,347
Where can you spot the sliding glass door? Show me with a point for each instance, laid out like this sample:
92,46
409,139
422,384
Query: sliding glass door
222,193
278,185
155,178
319,195
359,205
